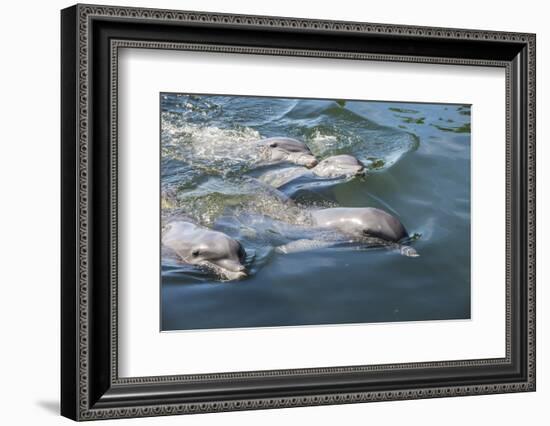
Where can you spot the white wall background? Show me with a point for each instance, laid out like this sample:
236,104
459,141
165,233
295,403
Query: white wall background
29,225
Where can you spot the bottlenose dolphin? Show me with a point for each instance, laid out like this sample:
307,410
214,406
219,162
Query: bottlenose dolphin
358,224
204,247
334,167
286,150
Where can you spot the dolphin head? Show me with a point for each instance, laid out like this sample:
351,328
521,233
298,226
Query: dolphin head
339,166
288,150
377,223
203,247
220,253
361,222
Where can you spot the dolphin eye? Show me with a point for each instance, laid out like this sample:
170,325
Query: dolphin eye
273,145
195,253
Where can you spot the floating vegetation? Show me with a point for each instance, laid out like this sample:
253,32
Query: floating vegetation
403,110
412,120
465,128
376,163
464,110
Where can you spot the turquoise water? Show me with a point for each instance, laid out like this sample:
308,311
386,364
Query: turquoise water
418,160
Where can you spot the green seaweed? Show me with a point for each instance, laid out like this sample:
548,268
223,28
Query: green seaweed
403,110
464,110
376,163
412,120
465,128
341,102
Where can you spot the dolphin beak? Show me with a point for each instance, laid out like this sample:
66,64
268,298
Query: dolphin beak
238,275
233,269
242,269
311,163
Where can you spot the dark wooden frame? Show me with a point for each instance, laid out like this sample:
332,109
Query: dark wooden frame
91,37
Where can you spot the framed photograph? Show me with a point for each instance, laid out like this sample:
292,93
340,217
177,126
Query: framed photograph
263,212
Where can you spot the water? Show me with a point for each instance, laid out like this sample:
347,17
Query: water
418,159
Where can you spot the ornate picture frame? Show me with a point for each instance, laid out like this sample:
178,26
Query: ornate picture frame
91,37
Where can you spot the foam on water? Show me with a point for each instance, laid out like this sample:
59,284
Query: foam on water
209,145
217,196
209,151
215,138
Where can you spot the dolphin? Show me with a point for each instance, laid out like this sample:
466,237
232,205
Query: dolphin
334,167
206,248
358,224
286,150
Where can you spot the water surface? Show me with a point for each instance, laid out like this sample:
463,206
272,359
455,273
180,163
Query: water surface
418,159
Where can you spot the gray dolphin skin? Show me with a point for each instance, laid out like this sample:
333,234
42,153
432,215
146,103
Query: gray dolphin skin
361,221
281,149
357,223
204,247
336,166
339,166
